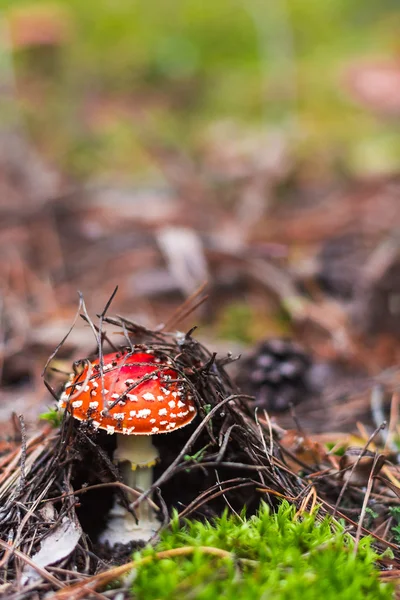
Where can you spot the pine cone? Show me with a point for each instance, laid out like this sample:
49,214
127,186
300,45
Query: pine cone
275,373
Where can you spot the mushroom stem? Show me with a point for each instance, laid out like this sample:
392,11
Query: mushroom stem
137,456
136,449
139,479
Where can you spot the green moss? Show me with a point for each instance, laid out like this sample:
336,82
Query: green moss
270,556
395,513
236,322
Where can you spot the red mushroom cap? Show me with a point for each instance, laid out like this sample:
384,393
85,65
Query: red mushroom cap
139,394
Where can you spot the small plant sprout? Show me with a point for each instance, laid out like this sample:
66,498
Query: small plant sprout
52,416
133,395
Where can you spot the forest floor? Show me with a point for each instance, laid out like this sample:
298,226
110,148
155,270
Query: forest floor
275,234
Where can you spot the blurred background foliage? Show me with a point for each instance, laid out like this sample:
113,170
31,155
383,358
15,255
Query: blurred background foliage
108,74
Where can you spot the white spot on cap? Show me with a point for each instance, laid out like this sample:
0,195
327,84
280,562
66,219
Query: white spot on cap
96,424
77,404
162,412
78,387
172,415
171,425
174,394
163,422
93,393
180,404
104,391
148,396
87,388
115,396
155,429
160,398
143,413
192,408
129,381
110,429
93,404
152,420
118,415
171,404
132,413
95,384
132,397
127,430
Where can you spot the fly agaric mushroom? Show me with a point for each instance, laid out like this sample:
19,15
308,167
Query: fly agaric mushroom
135,395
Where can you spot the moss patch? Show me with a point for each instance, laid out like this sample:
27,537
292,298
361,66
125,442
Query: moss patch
267,556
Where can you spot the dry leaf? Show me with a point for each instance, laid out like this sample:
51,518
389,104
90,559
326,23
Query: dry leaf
55,547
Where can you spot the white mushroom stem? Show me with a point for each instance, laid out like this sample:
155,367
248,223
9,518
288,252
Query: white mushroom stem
136,449
137,456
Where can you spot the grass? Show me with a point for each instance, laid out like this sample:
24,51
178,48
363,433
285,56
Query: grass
181,65
274,556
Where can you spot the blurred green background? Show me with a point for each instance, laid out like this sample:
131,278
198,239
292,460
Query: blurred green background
106,75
